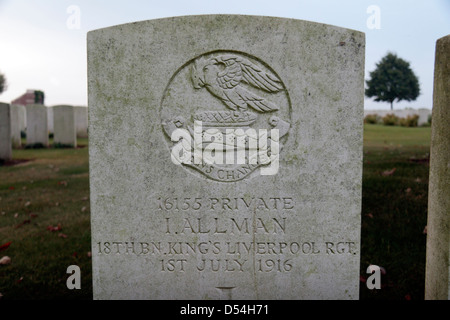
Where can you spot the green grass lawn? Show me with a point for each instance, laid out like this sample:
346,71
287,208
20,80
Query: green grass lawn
394,209
44,214
380,136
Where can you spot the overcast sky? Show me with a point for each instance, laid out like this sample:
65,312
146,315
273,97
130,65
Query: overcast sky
43,42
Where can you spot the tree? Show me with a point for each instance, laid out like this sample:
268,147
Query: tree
2,83
38,97
392,79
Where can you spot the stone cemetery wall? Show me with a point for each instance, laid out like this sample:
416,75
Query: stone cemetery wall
225,158
37,125
64,126
5,132
437,276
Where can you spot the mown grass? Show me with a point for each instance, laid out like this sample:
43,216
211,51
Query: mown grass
51,192
394,210
44,213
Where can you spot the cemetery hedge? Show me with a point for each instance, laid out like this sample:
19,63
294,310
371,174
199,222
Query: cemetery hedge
45,220
391,119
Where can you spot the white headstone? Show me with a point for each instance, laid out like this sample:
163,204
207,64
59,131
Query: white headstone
50,119
5,132
64,126
16,115
37,125
279,218
81,121
437,275
22,117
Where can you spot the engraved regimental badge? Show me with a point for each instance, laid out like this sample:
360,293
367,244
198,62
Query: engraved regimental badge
225,115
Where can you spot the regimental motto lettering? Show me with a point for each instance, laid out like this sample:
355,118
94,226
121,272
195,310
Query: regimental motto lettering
226,114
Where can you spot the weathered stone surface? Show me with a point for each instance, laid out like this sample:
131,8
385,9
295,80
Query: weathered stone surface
278,230
437,276
5,132
64,126
37,125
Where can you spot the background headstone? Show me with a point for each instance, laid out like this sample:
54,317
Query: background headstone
50,119
5,132
64,126
81,121
22,114
15,126
437,276
162,230
37,125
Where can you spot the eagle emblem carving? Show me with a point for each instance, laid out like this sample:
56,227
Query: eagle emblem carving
224,75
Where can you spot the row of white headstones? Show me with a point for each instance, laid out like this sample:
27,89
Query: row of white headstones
65,122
